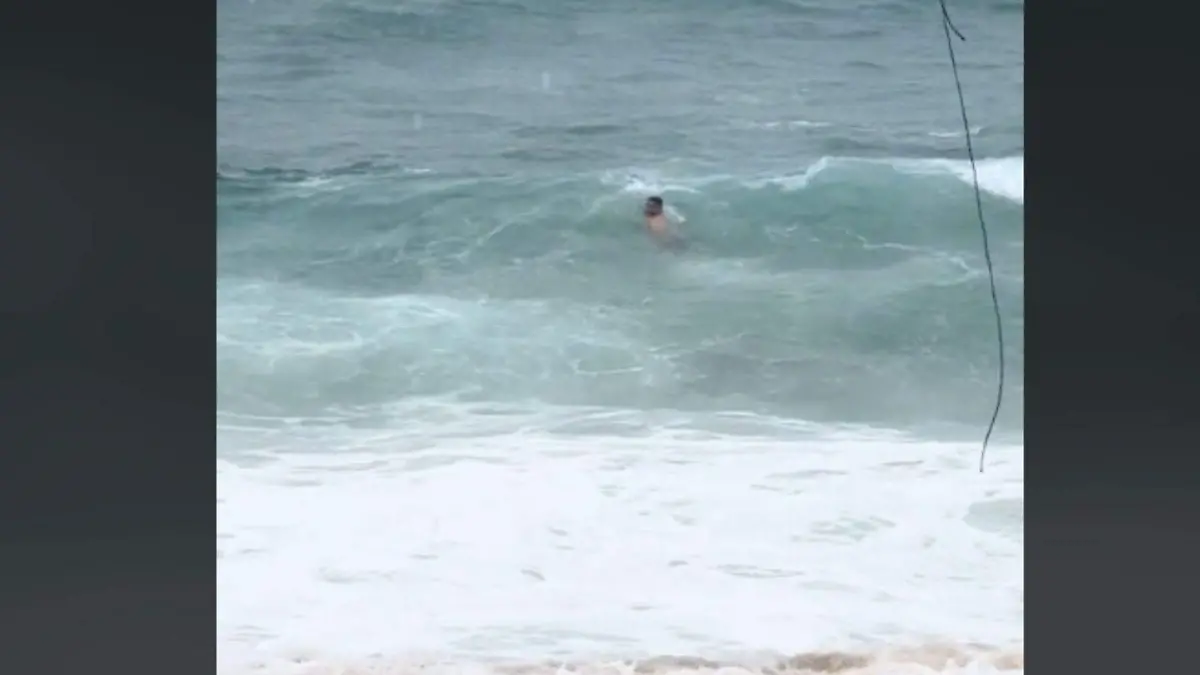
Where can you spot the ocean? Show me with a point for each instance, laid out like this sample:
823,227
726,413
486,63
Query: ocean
471,419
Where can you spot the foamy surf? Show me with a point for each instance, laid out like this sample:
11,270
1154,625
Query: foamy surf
1003,177
532,545
472,421
925,660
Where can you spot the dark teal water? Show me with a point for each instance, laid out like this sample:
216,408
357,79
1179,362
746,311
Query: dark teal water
438,202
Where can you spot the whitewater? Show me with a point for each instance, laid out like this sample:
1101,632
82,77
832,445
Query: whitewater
470,420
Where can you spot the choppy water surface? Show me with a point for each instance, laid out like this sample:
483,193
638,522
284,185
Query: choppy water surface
470,418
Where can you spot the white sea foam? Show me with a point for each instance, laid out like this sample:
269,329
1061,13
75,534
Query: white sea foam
1003,177
525,545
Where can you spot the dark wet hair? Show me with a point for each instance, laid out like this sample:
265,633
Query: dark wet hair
657,201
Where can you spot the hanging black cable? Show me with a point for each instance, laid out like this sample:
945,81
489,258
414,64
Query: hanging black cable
948,28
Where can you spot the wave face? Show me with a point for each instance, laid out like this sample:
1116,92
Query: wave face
471,418
853,293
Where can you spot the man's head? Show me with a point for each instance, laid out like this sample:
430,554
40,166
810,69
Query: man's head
653,207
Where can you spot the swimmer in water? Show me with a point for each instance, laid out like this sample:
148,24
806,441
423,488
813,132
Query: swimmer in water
657,224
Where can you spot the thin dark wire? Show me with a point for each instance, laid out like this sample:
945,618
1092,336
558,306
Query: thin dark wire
948,27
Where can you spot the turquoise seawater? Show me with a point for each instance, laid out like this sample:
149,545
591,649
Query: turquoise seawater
441,199
467,409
